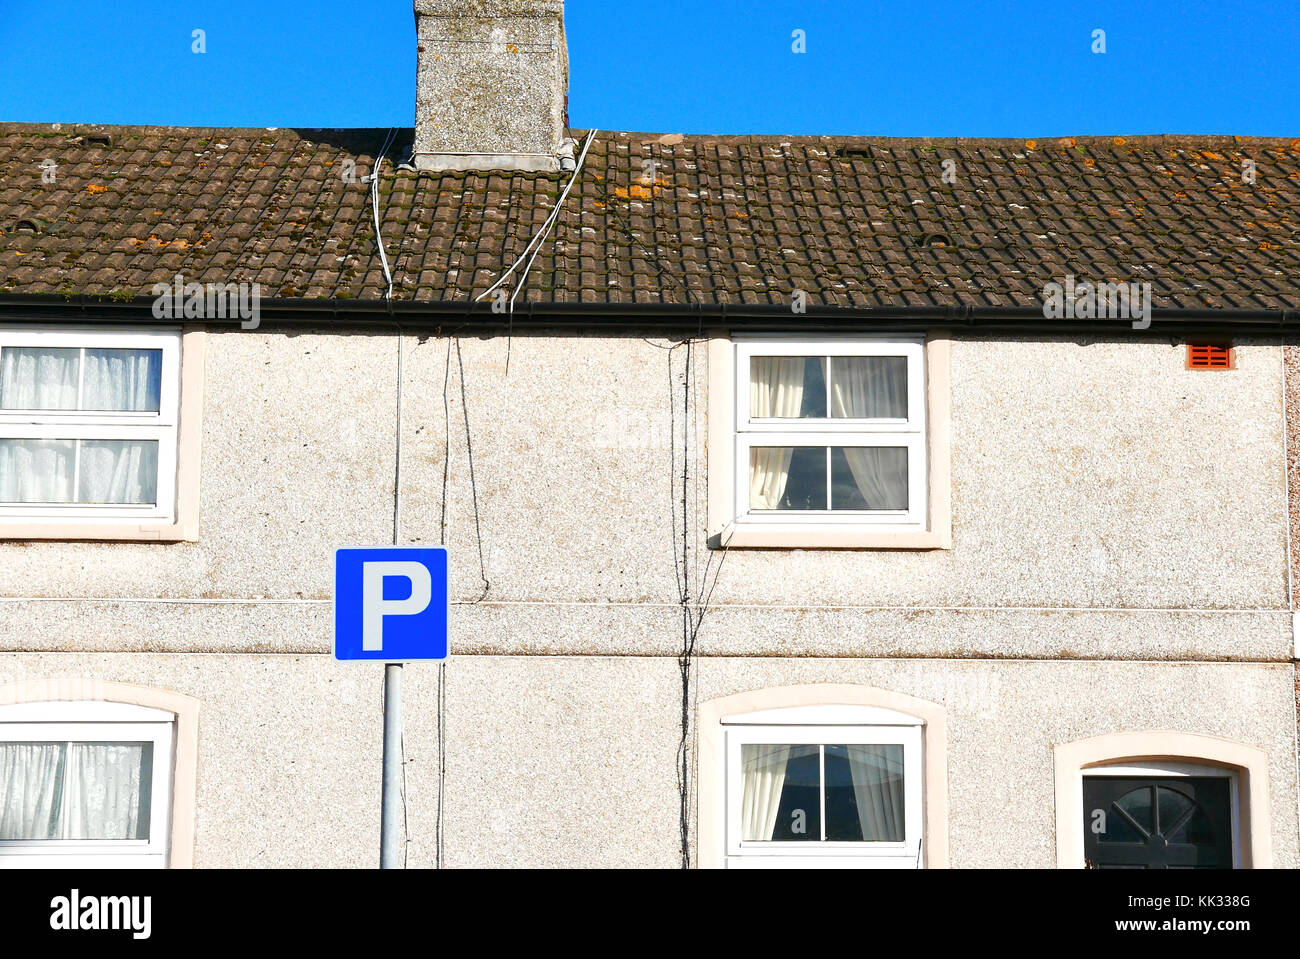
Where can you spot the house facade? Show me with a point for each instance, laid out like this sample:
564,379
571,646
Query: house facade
787,526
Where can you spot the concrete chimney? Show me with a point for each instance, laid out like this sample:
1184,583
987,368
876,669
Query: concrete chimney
492,78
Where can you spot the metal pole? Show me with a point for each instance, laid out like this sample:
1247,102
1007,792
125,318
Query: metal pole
390,828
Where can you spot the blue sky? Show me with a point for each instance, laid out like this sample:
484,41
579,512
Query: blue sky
901,68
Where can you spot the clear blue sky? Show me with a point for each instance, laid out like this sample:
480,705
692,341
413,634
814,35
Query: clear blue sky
907,67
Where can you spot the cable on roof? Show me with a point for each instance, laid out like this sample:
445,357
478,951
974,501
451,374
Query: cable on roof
534,246
373,177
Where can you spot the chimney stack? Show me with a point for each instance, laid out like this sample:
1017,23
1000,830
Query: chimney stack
492,78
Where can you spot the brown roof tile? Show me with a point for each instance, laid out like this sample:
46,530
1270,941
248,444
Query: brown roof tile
854,222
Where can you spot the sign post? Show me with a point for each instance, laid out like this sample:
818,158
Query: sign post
391,605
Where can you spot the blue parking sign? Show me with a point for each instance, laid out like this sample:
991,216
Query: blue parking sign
391,604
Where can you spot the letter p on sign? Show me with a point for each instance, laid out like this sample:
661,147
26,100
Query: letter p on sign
390,604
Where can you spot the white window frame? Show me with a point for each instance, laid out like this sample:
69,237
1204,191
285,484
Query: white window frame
162,426
825,725
1145,768
56,722
830,432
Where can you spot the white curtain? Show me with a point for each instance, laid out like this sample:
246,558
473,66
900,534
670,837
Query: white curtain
36,471
864,387
39,378
31,781
35,378
112,471
868,387
877,772
73,790
122,380
775,390
880,474
102,799
762,779
118,471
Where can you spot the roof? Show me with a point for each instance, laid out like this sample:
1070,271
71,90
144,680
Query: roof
737,220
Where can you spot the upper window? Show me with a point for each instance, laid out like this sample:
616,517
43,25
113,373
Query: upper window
846,793
827,436
85,785
88,425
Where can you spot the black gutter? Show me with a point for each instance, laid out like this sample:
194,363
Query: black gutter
461,316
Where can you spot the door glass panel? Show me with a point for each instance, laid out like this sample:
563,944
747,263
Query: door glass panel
1137,804
1188,827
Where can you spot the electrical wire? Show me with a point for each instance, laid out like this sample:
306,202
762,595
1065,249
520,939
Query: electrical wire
397,519
374,206
546,225
693,612
533,247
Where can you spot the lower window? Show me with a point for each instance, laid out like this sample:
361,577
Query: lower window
93,791
1169,816
838,796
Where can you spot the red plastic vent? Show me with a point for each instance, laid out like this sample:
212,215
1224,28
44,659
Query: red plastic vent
1209,356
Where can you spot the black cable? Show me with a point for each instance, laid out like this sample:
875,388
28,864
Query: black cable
473,486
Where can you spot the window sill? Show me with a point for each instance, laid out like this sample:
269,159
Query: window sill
102,532
751,537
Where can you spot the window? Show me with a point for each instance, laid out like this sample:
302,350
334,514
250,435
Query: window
826,786
85,785
829,441
1160,816
89,425
830,429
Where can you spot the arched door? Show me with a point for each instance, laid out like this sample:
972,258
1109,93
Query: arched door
1157,822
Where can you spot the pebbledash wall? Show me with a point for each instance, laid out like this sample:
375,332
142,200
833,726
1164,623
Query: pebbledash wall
1118,564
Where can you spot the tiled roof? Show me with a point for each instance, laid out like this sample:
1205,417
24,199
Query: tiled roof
658,218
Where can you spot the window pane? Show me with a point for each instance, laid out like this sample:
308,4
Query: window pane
841,800
1137,804
36,471
785,477
786,387
128,380
118,471
798,818
876,774
35,378
869,477
781,793
869,387
763,771
75,790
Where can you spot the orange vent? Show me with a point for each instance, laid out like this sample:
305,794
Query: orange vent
1209,356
